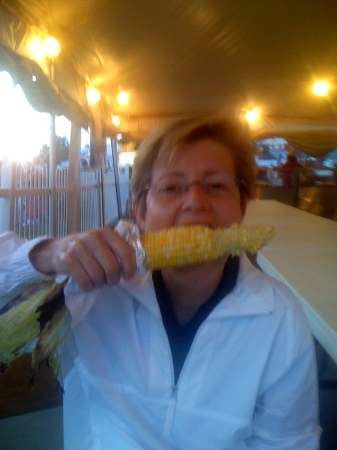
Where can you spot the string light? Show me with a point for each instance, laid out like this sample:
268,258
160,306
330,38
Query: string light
252,115
51,47
321,88
35,48
123,98
116,120
93,96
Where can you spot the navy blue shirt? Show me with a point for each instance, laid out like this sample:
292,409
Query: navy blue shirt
181,336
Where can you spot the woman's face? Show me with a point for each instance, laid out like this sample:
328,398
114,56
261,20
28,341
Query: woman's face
196,186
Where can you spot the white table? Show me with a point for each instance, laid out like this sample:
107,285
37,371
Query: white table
294,228
303,255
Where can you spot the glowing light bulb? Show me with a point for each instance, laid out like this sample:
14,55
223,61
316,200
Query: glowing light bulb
51,47
320,88
116,120
35,48
93,96
123,98
252,115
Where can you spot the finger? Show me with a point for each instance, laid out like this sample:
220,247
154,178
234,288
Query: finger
105,257
72,266
80,262
114,254
98,258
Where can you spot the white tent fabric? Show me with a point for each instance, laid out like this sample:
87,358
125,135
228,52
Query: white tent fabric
176,57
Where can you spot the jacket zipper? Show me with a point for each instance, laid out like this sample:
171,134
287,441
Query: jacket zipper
172,403
173,396
171,410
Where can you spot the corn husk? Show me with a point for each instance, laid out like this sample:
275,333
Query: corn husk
36,320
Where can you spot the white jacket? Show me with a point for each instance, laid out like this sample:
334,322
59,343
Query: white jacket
249,380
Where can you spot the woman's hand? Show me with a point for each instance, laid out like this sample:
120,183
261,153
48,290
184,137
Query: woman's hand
93,258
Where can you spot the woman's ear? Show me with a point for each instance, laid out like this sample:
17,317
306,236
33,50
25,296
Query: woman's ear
139,215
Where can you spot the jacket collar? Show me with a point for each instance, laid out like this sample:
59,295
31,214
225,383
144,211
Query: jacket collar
141,288
252,295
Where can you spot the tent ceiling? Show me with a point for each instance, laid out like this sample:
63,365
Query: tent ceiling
177,57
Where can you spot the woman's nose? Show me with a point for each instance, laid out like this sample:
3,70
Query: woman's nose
195,195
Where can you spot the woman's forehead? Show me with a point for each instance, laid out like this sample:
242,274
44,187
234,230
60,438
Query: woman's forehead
204,152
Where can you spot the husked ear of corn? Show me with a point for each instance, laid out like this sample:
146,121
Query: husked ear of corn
240,239
190,245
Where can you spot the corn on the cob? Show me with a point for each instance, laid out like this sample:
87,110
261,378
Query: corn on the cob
189,245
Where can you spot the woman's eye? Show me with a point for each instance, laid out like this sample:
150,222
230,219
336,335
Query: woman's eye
170,188
220,187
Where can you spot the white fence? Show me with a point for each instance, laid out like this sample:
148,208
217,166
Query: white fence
91,199
25,200
29,200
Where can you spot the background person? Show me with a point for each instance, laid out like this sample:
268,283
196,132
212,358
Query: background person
290,169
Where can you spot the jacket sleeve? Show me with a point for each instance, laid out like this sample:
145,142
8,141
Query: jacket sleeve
16,271
286,413
15,267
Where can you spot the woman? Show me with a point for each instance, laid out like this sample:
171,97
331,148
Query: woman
213,356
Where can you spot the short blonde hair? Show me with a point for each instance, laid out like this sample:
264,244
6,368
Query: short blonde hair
170,137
